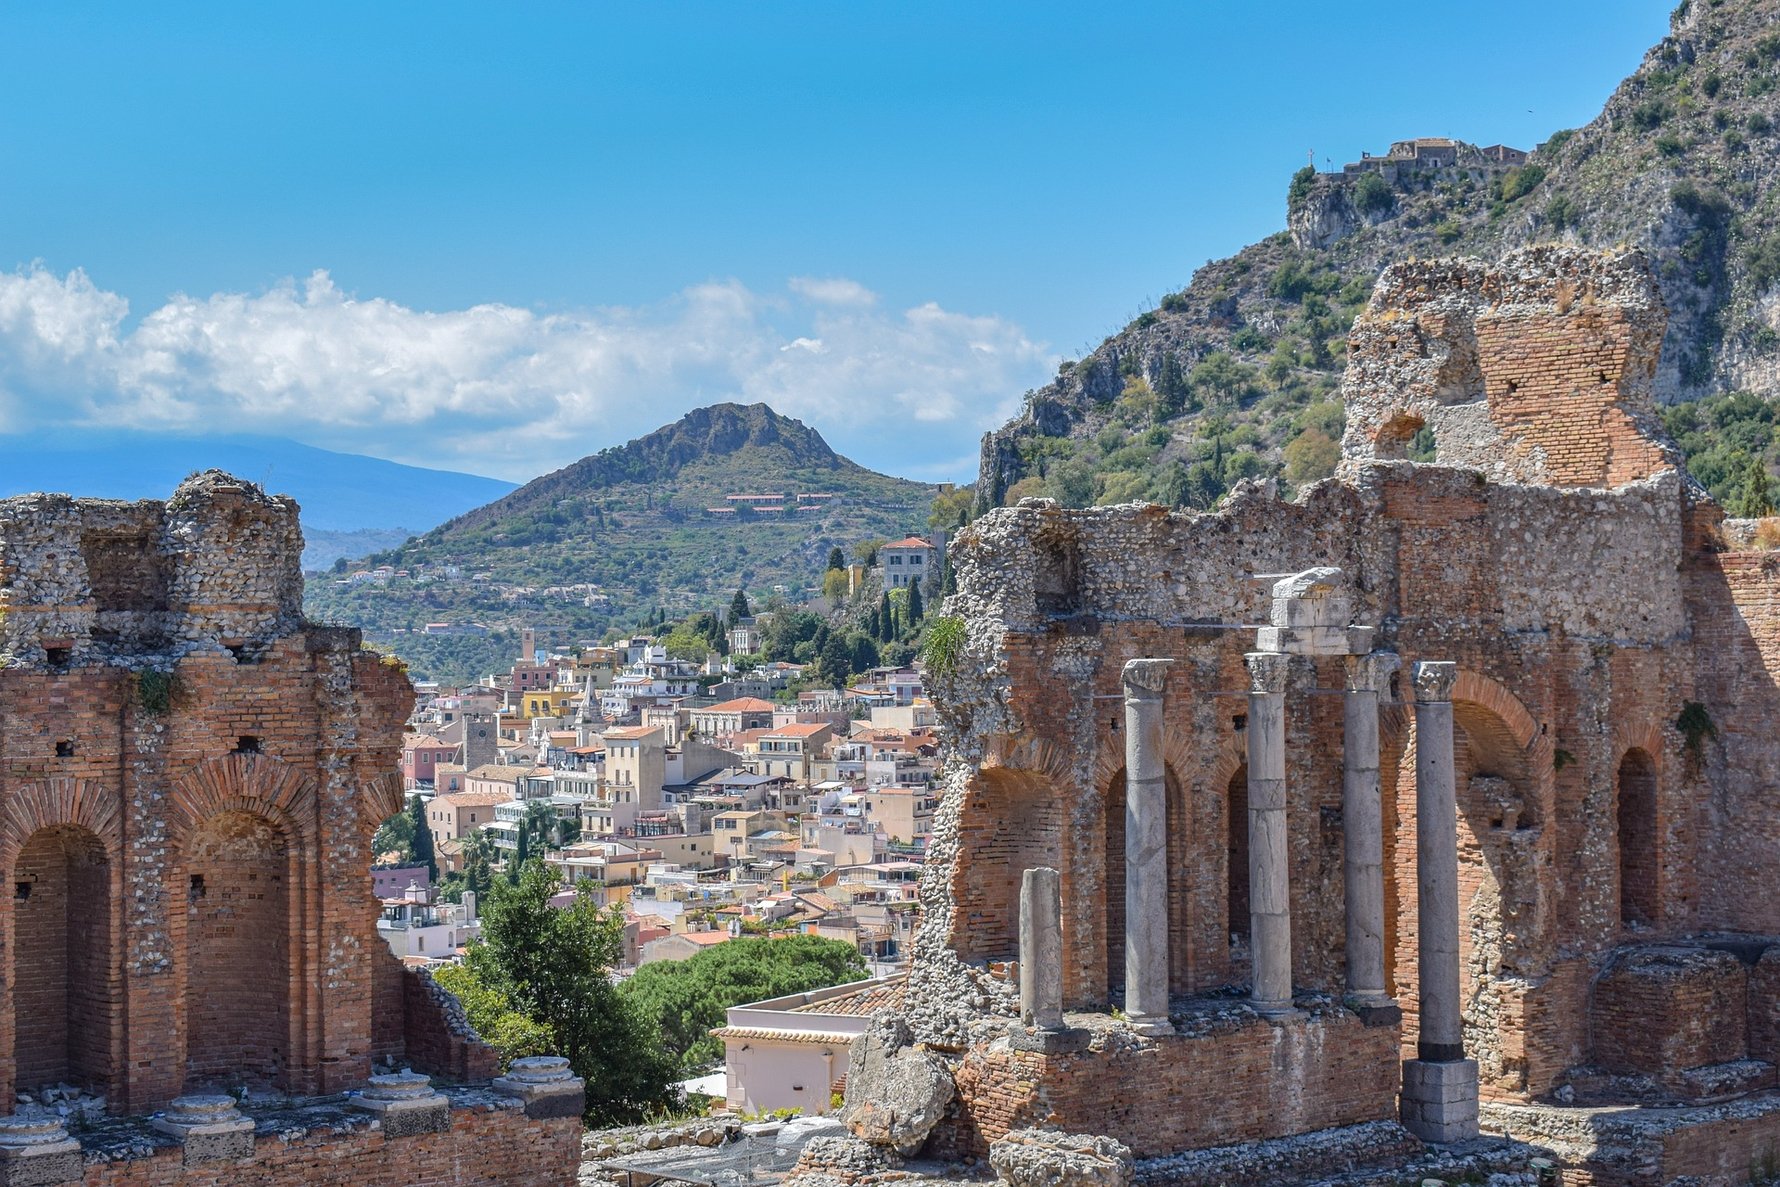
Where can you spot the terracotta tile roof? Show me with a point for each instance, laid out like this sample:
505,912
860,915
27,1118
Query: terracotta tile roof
506,774
628,732
908,542
741,705
807,730
860,1003
473,799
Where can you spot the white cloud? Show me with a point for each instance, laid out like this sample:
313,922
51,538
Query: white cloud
832,291
501,390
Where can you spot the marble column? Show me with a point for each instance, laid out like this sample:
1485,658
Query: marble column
1269,860
1362,816
1041,949
1146,848
1439,1099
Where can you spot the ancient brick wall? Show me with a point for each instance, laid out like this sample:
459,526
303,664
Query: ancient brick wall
490,1142
188,783
1242,1081
1580,582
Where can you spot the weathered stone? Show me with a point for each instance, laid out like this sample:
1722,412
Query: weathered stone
896,1093
1047,1158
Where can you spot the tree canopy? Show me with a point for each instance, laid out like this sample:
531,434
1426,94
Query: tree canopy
553,965
687,998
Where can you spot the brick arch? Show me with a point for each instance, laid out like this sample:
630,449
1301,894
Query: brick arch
1028,754
384,797
83,803
252,784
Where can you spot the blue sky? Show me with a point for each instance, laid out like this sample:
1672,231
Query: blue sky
497,237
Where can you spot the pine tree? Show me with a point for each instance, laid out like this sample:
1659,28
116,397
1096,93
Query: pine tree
423,838
914,604
836,558
738,608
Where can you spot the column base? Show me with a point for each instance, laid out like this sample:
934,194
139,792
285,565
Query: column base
1150,1027
1375,1011
1276,1011
1439,1101
1045,1041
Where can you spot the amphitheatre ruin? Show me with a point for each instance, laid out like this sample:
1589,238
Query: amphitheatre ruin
1420,827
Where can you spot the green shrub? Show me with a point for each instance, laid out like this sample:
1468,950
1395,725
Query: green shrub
1759,124
1518,183
1302,183
1448,230
1560,212
1669,145
1372,195
1650,115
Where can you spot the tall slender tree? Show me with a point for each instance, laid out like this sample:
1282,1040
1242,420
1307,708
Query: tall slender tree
423,837
915,610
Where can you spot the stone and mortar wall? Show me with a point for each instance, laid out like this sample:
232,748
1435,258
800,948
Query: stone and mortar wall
197,774
1539,368
1242,1081
1576,577
490,1141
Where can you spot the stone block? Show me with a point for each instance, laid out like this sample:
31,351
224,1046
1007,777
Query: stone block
1439,1101
405,1105
1046,1158
209,1127
35,1151
546,1085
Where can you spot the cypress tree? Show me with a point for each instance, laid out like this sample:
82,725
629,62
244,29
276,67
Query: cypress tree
423,837
520,855
886,620
915,610
836,558
1755,501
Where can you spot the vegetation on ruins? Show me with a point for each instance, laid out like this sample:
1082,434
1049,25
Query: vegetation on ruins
552,966
687,998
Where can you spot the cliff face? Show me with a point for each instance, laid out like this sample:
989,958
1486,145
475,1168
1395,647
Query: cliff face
1678,163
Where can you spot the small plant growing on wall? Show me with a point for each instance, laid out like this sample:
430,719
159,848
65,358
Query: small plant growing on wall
945,645
155,691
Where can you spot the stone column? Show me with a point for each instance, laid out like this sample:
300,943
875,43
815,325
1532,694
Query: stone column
208,1126
1041,949
1146,848
1269,863
406,1104
1362,817
1439,1098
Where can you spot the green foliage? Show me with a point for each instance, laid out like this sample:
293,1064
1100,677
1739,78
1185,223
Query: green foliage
1558,139
945,645
687,998
1649,115
1763,260
1311,455
553,965
396,835
1695,726
1670,145
420,837
1754,501
156,691
1561,212
1303,182
1221,375
492,1013
1759,124
1518,183
1372,195
1448,230
951,509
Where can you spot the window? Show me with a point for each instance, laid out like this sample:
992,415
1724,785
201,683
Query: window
896,560
915,560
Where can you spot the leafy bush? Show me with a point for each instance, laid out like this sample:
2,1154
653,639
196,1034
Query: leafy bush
1372,195
1302,183
1670,145
1518,183
1650,115
1448,230
1759,124
1764,261
1560,212
1311,455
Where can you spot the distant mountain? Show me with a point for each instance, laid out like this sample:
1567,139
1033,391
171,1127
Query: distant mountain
339,492
1233,375
609,539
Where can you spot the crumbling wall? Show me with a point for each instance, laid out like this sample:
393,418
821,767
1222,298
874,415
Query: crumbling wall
1539,368
1556,554
223,767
